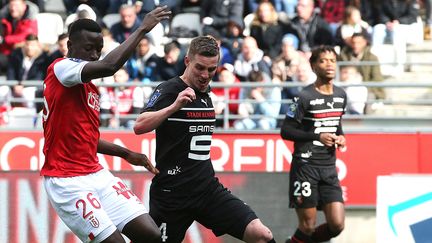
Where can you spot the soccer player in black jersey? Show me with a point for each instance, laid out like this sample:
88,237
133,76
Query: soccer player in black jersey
313,122
186,188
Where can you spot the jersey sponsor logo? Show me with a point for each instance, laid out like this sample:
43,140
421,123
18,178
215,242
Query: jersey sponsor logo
306,155
154,97
93,101
316,102
175,171
200,114
338,100
75,60
122,189
327,123
206,128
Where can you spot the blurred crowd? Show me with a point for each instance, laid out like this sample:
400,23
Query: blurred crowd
267,41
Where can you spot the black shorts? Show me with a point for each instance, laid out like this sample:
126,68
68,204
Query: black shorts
217,209
313,186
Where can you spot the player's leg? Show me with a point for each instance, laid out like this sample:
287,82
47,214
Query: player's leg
306,225
224,213
172,223
142,229
303,196
127,211
332,205
335,217
76,201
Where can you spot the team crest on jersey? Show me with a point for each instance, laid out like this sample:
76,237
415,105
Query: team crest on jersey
292,109
154,97
75,60
94,222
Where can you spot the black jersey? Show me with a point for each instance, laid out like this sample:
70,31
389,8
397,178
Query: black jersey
183,140
318,113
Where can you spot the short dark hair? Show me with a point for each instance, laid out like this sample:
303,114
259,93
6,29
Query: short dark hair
62,37
203,45
316,52
83,24
31,37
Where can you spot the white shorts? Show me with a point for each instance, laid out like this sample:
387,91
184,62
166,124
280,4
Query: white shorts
95,205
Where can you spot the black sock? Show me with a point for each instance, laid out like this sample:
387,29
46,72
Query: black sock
322,233
301,237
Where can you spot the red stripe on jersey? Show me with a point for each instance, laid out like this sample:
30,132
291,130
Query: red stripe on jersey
328,114
91,236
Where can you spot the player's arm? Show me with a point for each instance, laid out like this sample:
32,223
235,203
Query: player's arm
150,120
291,130
133,158
340,140
117,57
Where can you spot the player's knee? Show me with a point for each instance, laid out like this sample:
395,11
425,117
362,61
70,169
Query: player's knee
307,226
336,229
152,235
257,232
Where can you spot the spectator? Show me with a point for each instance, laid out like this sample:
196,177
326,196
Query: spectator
129,22
250,59
171,63
258,101
332,11
120,101
233,39
359,51
395,26
352,23
267,29
220,102
98,6
309,27
61,50
368,10
215,14
141,67
27,63
356,95
18,19
145,6
109,43
303,75
83,11
284,66
225,53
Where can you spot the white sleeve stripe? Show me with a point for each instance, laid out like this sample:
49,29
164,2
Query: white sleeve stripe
68,71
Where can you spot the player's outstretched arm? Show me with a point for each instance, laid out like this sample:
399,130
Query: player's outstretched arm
150,120
117,57
133,158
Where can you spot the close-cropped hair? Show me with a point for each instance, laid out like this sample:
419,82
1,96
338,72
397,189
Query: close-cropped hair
203,45
320,49
83,24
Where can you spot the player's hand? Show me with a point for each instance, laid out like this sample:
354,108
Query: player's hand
340,143
185,97
141,160
154,17
328,139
